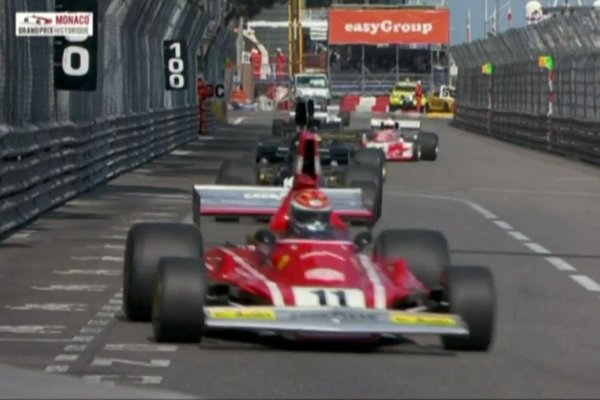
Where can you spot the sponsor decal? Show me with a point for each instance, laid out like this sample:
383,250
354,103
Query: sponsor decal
395,26
283,261
416,319
337,316
242,313
324,274
54,24
264,196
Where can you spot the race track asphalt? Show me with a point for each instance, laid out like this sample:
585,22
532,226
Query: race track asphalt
532,218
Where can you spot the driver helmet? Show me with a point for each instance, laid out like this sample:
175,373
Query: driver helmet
310,213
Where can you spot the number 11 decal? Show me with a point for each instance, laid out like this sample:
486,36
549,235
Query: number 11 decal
339,294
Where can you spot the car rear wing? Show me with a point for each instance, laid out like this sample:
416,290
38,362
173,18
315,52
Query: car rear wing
404,123
261,201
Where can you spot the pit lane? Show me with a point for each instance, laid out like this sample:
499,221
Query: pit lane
499,205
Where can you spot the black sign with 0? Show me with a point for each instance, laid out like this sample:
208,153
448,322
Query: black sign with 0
75,57
175,60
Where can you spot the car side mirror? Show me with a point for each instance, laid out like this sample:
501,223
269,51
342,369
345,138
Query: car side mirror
265,236
363,239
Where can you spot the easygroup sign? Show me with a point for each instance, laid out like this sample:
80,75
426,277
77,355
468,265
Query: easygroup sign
389,26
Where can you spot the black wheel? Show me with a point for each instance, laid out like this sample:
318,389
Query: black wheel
146,244
178,304
416,151
277,127
371,198
358,175
429,146
236,172
425,251
471,294
374,158
345,116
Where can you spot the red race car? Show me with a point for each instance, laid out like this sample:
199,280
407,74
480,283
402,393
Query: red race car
303,278
401,140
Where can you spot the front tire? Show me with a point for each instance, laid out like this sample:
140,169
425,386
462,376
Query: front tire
179,298
146,244
471,294
425,251
428,142
374,158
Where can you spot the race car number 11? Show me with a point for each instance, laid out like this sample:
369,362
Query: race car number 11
328,297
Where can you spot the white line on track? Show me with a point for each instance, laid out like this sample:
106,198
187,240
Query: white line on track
238,120
98,258
587,282
560,264
537,248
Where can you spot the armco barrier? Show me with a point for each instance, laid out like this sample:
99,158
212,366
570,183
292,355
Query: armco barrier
55,144
552,106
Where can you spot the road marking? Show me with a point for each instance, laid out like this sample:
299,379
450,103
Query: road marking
57,368
100,322
83,338
139,347
127,379
90,330
112,308
560,264
34,340
503,225
180,153
66,357
74,347
115,301
557,262
519,236
540,192
20,235
98,272
32,329
72,288
537,248
587,282
238,120
60,307
103,314
118,295
96,258
159,214
108,362
106,247
114,237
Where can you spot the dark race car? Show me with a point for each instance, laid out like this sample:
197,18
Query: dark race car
304,278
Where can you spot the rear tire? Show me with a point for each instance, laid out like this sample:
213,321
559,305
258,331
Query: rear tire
371,198
425,251
374,158
237,172
146,244
429,146
471,294
277,127
179,298
355,175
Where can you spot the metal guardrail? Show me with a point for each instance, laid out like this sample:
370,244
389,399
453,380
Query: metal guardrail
556,111
565,136
54,144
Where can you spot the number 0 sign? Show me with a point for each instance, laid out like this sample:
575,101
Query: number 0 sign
75,56
175,60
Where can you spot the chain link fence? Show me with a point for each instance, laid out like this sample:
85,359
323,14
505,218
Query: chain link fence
517,102
57,144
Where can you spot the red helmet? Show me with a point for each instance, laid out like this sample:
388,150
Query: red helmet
310,213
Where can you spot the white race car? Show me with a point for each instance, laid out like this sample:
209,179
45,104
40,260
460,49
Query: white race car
401,140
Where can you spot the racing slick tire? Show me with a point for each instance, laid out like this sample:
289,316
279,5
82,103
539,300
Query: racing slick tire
371,199
356,175
345,117
277,127
236,172
471,294
425,251
146,244
179,298
428,143
372,158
